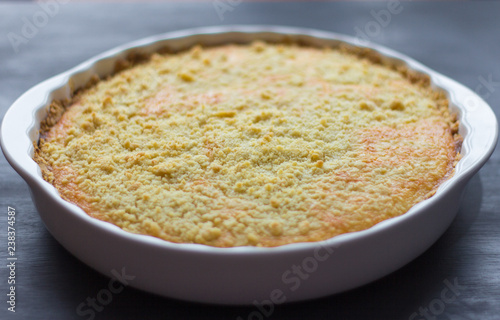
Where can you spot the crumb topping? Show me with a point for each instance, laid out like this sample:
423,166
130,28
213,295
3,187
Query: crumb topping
259,145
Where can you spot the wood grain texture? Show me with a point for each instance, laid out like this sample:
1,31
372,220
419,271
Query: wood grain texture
459,40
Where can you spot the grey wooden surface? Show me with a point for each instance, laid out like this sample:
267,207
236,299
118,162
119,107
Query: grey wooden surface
459,39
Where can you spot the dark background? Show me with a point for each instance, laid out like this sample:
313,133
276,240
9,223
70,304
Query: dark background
458,39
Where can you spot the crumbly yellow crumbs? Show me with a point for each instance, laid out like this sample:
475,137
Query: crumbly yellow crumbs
259,145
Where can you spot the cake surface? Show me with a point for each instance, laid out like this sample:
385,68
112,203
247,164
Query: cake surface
261,145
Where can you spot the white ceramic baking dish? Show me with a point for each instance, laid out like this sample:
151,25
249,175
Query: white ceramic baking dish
243,275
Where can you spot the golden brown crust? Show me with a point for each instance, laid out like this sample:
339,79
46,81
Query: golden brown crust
251,145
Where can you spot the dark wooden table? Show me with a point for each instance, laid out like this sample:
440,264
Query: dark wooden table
458,39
